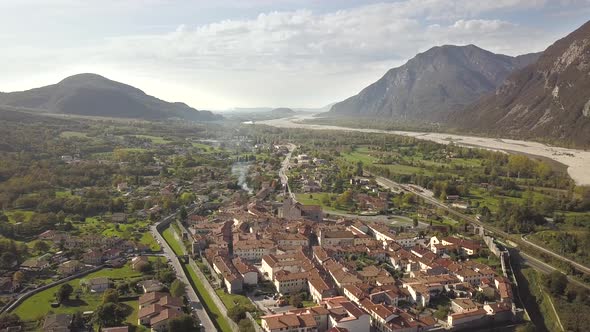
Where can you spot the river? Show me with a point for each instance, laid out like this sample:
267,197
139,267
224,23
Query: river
577,161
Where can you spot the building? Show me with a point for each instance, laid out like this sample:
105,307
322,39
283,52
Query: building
98,285
290,282
289,322
57,323
293,210
248,272
336,238
232,280
155,309
70,267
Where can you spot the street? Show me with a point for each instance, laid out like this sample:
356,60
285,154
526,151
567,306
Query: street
196,305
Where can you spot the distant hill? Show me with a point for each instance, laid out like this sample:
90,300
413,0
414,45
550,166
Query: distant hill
432,84
282,111
94,95
548,99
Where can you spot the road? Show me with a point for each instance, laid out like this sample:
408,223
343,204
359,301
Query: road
191,294
531,261
284,167
577,265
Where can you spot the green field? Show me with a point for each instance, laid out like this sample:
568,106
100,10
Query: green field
176,246
155,139
38,305
231,300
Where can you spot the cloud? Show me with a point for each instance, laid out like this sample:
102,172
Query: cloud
297,57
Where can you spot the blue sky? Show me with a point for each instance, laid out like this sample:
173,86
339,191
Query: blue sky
238,53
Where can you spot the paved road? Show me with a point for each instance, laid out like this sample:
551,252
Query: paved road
192,295
284,166
533,262
578,265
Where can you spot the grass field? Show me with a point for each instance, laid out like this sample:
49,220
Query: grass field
543,299
148,240
38,305
155,139
174,244
15,216
231,300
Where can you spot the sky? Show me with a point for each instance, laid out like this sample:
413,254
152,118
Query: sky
222,54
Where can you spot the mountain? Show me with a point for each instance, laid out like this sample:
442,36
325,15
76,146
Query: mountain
94,95
549,99
432,84
282,111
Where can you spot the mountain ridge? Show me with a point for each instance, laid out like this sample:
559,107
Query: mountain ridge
549,99
94,95
432,84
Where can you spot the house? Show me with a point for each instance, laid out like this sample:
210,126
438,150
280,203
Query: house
293,210
150,286
7,285
57,323
93,257
248,272
336,238
233,281
288,282
139,261
36,263
159,323
349,316
156,309
119,217
289,322
70,267
98,285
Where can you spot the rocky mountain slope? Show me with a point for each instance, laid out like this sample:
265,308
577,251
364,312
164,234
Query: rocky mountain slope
432,84
549,99
94,95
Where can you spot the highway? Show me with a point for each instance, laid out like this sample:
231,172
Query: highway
207,324
529,260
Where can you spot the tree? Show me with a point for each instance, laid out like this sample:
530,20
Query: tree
556,282
237,313
182,215
64,292
110,314
528,327
110,296
9,320
177,288
183,323
41,247
245,325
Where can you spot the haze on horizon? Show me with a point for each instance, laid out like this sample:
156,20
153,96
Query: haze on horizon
255,53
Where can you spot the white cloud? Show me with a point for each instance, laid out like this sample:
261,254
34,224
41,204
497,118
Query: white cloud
293,58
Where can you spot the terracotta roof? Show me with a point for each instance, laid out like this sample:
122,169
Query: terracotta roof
165,315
